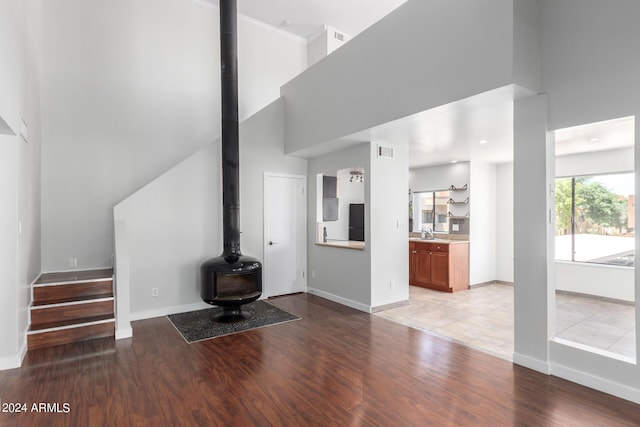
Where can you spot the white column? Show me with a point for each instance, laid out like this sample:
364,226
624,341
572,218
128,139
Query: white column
122,273
534,299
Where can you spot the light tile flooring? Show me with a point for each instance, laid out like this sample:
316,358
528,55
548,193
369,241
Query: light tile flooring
482,318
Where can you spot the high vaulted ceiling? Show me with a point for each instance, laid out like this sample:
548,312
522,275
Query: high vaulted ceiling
479,128
307,18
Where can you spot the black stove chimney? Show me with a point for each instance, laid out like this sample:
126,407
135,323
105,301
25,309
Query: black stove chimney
230,135
232,279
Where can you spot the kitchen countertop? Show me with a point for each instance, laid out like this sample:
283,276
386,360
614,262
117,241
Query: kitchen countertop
442,241
347,244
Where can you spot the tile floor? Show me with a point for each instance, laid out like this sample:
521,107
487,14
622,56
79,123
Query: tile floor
482,318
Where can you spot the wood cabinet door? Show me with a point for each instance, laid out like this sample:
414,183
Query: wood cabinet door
412,265
439,269
422,268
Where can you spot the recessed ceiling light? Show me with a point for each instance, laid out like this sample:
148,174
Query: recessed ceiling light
594,139
483,141
454,161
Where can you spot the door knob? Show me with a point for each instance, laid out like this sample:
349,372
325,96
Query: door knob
271,243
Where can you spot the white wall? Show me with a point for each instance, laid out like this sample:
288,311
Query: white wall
317,48
504,222
10,82
608,281
175,223
619,160
527,65
439,177
170,233
19,170
10,63
29,187
9,251
589,69
343,275
324,43
387,71
130,90
387,236
482,231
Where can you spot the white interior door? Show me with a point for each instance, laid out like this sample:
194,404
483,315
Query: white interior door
285,246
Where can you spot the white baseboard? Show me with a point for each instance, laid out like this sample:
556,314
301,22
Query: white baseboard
23,350
531,363
384,307
340,300
124,332
73,270
164,311
12,362
604,385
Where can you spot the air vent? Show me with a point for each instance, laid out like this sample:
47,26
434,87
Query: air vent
338,36
386,152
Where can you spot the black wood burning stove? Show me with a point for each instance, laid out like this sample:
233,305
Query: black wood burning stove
231,279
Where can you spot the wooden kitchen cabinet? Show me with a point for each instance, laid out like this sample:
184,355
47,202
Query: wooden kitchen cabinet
420,266
439,266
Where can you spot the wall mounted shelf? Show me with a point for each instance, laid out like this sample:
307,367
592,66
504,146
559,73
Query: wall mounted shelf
450,215
453,202
454,188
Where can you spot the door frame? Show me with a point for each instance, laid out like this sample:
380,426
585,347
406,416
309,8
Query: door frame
303,258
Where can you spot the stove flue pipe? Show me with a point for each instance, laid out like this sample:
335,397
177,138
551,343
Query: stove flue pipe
230,135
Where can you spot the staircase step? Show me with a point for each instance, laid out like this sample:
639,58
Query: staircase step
71,306
66,334
65,324
68,292
71,311
75,276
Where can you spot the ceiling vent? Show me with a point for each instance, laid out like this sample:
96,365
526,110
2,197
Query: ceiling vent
385,152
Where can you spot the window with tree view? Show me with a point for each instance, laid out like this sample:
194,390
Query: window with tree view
595,220
430,209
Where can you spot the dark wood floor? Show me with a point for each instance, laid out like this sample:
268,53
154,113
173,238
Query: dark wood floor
335,367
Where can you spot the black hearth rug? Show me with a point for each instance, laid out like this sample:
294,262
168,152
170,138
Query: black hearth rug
197,325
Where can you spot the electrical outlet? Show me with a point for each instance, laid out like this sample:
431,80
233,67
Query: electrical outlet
73,262
154,292
313,274
392,285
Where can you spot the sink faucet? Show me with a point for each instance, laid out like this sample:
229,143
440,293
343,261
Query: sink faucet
427,233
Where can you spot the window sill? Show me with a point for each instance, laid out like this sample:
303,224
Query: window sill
594,265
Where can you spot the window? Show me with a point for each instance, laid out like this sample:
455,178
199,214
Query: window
433,210
595,219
